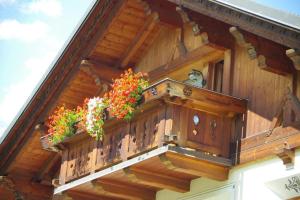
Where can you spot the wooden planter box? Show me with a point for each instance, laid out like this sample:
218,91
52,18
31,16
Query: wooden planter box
172,112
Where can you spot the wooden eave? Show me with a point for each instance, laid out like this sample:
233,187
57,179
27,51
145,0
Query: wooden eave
250,22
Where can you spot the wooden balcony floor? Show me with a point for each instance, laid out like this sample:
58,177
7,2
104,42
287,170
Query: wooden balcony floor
167,167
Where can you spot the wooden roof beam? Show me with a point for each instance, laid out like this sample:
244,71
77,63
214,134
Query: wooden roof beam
155,179
195,167
121,190
140,38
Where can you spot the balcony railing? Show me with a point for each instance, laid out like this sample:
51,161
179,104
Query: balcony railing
171,112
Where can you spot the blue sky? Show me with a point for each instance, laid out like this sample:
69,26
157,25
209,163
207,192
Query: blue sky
31,34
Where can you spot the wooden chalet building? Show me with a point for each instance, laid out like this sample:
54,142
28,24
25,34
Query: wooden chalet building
234,135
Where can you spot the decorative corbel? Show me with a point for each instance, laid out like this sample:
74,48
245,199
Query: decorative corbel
287,155
288,113
40,128
89,69
9,185
294,55
190,24
240,40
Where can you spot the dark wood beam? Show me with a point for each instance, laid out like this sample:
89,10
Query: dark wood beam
121,190
167,13
140,38
193,166
156,179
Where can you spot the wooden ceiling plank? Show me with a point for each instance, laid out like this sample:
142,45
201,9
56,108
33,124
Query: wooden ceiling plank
156,179
196,167
120,190
122,32
115,38
139,39
135,12
113,44
52,160
131,19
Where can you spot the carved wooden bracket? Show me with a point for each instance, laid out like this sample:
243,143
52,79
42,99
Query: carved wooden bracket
41,129
287,156
9,185
187,23
239,38
288,113
89,70
294,55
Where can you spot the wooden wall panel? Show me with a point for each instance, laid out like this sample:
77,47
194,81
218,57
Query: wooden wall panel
263,89
164,48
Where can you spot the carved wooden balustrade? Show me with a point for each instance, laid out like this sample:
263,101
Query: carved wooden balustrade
171,112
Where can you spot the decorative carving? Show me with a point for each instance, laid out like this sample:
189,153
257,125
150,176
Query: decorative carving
196,120
8,184
287,156
293,184
196,79
213,126
153,91
187,91
288,112
294,55
239,38
89,70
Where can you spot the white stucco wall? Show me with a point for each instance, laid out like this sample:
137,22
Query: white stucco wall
246,182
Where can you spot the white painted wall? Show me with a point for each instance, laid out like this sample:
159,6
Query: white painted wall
246,182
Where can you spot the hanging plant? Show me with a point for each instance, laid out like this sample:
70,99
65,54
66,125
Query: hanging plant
95,116
126,93
63,122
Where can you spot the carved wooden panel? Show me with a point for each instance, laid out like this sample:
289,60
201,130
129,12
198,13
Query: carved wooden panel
79,159
209,132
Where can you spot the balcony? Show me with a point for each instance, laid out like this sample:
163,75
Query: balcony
178,133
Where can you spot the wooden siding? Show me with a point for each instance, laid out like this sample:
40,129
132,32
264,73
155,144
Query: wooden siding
263,89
